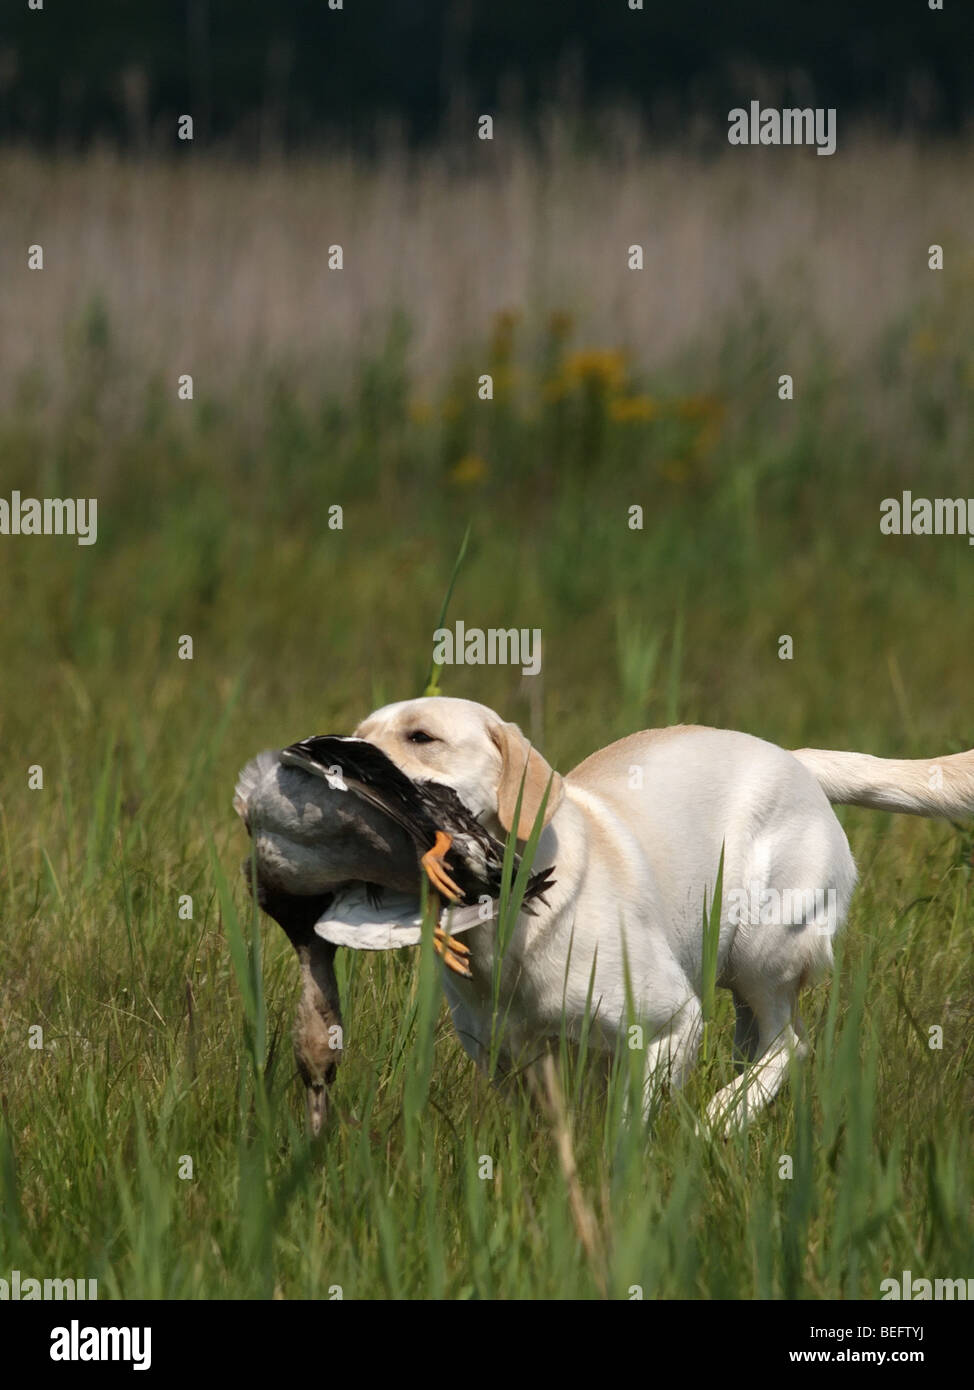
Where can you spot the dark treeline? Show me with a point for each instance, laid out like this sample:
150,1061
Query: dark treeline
287,74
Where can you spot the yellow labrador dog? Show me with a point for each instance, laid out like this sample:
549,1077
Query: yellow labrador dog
635,832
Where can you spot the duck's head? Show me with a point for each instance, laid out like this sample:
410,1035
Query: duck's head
468,747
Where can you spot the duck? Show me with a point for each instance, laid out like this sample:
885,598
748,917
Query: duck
340,835
308,837
434,818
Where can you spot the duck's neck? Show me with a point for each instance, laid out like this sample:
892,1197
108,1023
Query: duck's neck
319,1009
319,984
318,1023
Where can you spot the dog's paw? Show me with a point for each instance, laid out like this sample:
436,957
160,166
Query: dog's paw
726,1115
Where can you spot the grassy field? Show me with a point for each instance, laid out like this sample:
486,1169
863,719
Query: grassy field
165,1038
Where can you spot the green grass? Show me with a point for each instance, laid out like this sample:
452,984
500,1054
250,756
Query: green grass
166,1038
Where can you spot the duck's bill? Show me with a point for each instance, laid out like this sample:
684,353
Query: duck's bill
353,920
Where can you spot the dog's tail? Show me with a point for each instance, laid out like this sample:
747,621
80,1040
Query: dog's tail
919,786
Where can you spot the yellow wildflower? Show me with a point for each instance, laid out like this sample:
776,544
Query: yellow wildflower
560,324
675,470
553,390
505,377
699,408
604,368
706,438
633,409
469,470
420,412
502,337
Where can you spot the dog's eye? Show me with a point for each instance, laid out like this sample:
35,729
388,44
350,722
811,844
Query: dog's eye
419,737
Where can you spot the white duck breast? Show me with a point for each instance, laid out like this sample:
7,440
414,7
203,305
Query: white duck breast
310,834
355,919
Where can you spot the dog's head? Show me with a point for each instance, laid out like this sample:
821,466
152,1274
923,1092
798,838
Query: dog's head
471,749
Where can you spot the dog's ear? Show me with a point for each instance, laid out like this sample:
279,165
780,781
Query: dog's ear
519,760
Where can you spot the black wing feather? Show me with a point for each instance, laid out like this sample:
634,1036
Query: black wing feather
369,775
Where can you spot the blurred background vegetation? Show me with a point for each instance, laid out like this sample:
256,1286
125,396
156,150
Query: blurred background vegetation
612,388
261,77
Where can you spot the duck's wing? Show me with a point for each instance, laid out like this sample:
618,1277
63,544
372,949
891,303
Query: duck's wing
353,765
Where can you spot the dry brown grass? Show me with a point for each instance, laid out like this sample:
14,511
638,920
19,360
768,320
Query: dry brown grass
220,270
